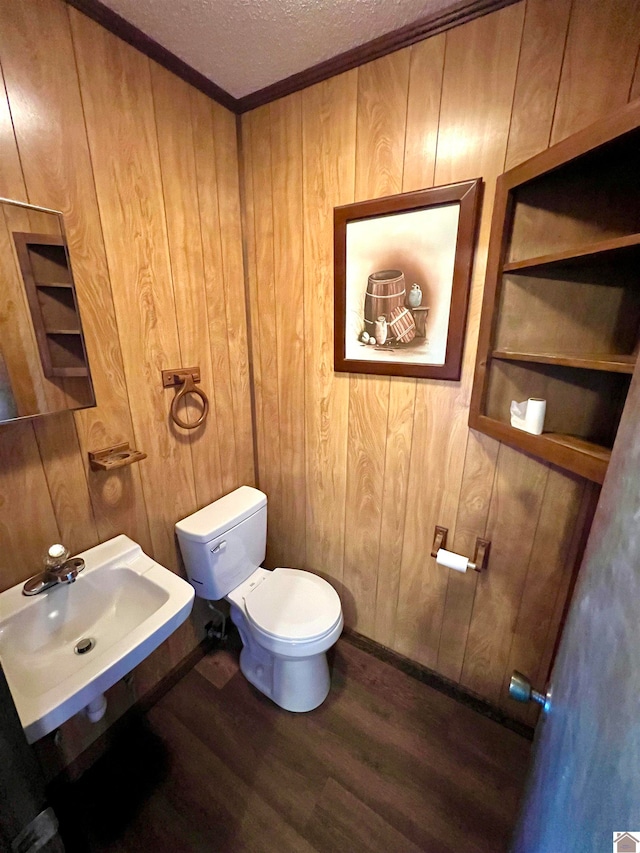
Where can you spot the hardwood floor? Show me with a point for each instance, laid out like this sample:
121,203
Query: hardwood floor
385,764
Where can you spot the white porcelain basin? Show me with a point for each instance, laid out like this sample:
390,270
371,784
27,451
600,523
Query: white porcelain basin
123,601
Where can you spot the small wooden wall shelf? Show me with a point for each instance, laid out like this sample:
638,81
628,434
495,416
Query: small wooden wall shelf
561,310
116,456
52,302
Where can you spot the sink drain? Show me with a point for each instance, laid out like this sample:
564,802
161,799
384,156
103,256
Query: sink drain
84,646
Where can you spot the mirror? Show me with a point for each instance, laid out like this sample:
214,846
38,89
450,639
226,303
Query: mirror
43,358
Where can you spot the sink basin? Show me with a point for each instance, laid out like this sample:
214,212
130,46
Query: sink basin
122,606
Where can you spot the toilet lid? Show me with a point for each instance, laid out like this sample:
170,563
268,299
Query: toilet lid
293,605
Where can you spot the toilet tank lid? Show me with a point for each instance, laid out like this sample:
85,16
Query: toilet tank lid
221,515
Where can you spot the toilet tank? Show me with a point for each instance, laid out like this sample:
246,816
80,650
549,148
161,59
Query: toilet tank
225,542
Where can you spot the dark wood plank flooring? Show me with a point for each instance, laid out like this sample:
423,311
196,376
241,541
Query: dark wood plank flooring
385,764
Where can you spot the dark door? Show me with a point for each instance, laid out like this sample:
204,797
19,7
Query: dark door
585,781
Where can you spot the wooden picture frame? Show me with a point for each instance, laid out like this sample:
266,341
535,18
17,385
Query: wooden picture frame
402,268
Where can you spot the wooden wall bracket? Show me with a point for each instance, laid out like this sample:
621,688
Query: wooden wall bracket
481,555
179,375
439,540
116,456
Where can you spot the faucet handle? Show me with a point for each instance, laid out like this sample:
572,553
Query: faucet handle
57,555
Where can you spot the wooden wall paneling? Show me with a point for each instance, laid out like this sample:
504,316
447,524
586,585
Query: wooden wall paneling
58,174
180,189
477,91
116,88
423,109
516,504
550,569
206,171
249,233
27,519
471,521
400,421
381,124
435,471
380,136
225,139
328,150
543,42
367,433
288,269
265,318
62,460
599,64
423,113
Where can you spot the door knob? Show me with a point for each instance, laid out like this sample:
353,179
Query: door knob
521,690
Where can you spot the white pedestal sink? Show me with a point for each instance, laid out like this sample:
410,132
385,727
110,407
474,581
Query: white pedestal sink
124,602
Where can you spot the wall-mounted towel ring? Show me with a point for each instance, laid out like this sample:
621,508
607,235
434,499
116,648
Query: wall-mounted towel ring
186,378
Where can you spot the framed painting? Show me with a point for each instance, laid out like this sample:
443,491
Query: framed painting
402,275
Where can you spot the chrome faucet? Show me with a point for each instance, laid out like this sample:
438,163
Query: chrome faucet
59,568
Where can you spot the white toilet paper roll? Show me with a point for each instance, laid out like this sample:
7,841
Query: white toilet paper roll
536,410
457,562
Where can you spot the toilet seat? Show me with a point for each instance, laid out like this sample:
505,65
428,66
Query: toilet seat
293,605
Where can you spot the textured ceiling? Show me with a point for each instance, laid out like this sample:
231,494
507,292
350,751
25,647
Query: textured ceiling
245,45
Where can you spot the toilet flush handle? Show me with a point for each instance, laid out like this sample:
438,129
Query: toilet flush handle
219,547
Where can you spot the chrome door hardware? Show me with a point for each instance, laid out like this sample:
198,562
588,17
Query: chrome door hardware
521,690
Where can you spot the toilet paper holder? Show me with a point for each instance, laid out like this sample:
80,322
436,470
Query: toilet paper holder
480,556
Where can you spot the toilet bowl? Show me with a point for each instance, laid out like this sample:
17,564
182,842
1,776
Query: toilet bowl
287,618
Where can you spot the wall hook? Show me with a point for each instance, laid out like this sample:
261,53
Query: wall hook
185,377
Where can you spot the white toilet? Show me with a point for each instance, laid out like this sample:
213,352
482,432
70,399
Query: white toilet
287,618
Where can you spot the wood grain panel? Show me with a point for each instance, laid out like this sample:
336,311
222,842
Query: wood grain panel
516,505
328,155
265,318
58,174
227,174
543,41
206,171
288,266
367,433
382,118
62,459
116,87
423,113
400,421
471,521
26,533
249,233
599,63
180,190
380,134
549,572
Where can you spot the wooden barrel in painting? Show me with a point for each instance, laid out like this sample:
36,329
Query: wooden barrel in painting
385,291
402,325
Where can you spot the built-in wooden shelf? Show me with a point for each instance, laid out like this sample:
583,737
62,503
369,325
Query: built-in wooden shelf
561,307
578,253
595,361
46,272
585,458
55,284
